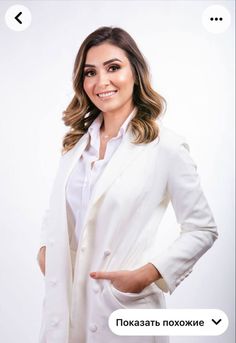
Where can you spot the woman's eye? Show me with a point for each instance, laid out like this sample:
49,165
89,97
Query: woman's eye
90,73
115,66
86,73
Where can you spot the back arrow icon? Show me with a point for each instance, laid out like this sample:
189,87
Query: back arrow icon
17,17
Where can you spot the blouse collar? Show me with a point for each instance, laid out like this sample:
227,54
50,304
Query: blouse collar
96,124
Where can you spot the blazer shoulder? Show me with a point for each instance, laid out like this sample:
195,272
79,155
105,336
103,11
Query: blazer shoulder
169,140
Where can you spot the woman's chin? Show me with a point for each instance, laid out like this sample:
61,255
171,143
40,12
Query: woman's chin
107,107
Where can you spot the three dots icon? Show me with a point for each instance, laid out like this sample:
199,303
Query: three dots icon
216,18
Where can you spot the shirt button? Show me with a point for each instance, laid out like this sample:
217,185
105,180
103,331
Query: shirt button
93,327
107,252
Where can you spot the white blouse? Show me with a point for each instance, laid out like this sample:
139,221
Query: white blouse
84,176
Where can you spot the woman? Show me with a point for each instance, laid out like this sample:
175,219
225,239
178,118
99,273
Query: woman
119,169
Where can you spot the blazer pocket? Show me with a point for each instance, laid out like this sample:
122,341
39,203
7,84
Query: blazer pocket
133,300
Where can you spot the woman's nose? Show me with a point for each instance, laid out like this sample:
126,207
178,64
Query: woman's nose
103,79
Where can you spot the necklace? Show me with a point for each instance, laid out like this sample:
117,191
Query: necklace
106,137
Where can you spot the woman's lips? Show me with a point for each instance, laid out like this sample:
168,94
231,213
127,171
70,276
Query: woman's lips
106,95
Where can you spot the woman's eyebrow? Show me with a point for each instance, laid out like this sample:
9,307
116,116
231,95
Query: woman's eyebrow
104,63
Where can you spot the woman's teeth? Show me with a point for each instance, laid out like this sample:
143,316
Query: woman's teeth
104,95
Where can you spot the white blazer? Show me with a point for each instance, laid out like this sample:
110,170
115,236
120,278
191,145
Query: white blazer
121,232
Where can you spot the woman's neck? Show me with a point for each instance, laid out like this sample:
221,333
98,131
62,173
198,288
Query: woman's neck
112,122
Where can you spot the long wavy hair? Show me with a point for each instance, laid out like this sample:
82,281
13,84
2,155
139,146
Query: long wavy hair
81,112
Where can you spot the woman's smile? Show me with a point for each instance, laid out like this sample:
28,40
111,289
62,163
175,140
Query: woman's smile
106,95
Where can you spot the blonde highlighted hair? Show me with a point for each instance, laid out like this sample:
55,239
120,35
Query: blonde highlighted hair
81,112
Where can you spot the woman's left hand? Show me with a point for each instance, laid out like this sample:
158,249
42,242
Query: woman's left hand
132,281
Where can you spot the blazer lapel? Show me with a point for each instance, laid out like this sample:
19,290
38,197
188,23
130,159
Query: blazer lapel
76,153
125,154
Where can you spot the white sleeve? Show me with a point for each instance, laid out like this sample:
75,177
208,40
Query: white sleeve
198,228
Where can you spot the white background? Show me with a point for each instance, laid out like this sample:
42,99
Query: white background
192,68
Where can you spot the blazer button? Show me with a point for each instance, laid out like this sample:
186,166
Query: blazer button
96,288
53,282
54,321
107,252
93,327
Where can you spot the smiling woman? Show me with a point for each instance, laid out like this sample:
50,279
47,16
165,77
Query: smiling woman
109,86
109,81
109,60
119,169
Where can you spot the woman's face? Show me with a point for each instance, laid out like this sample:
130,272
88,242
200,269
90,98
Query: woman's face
108,78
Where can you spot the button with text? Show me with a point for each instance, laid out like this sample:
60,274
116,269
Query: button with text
168,322
18,18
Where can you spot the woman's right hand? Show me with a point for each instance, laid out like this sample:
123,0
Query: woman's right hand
41,259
